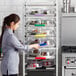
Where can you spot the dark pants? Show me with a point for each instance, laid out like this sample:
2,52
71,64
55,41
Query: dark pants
11,75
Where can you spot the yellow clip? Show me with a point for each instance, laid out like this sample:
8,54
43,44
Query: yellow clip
40,35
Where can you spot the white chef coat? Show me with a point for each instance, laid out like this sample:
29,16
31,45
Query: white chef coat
11,47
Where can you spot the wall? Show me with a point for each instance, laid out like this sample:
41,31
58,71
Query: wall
13,6
68,31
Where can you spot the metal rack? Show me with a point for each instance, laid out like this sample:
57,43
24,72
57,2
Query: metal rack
42,24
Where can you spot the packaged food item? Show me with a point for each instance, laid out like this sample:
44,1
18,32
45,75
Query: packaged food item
44,12
33,12
35,42
34,22
35,51
43,22
43,44
43,53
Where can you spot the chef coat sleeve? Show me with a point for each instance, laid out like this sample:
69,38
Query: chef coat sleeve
14,42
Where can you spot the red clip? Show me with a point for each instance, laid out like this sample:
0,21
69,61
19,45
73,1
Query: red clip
40,57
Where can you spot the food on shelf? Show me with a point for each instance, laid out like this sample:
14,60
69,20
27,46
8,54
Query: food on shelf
32,66
43,53
38,22
33,12
35,41
43,33
43,44
34,32
45,12
34,22
43,21
45,57
35,51
39,31
39,12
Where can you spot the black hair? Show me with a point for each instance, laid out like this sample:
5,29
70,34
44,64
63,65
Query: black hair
7,20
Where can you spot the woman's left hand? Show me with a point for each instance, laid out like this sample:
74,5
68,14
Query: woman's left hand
35,46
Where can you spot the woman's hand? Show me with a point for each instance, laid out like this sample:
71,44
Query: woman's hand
35,46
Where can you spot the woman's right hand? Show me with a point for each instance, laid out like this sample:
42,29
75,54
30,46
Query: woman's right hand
35,46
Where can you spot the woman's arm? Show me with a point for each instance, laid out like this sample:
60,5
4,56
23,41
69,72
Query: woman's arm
14,42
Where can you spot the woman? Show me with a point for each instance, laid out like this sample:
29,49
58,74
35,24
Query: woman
11,46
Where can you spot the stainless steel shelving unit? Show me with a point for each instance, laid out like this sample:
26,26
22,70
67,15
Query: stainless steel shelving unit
42,23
